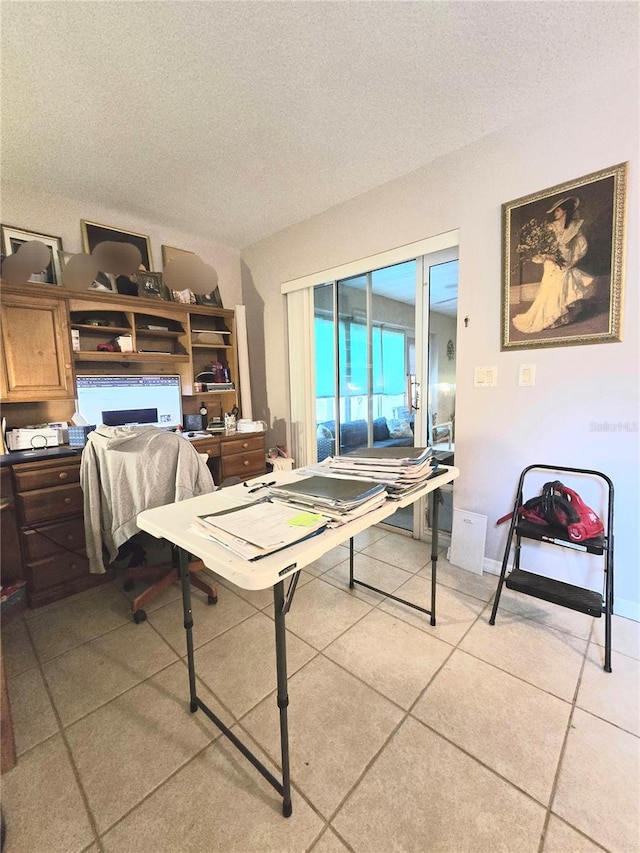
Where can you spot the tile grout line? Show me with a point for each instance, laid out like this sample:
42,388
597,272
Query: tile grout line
556,777
406,714
72,763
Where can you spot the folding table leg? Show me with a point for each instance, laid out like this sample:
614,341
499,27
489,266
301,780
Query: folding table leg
283,697
183,562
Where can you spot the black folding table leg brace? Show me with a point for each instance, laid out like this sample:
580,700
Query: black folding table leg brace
281,605
436,497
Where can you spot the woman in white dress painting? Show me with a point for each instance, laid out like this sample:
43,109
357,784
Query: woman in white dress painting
563,288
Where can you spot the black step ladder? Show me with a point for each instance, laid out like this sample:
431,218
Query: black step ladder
557,592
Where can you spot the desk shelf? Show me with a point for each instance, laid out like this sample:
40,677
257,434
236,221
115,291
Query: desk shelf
130,357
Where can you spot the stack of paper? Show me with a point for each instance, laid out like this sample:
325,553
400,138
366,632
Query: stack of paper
254,530
400,469
338,498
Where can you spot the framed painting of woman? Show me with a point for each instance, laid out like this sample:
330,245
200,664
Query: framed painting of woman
562,263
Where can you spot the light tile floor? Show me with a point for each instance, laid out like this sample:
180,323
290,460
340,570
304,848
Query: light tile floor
404,737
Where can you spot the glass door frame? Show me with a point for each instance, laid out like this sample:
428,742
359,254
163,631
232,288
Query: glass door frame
420,526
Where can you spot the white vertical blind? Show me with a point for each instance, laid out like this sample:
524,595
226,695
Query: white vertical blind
302,375
243,362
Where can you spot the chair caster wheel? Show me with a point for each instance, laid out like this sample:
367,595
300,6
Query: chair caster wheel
127,586
139,616
212,599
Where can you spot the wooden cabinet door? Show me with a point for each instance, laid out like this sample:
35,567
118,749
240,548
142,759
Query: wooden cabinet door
36,348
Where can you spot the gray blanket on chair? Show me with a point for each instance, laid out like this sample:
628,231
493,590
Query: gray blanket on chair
125,470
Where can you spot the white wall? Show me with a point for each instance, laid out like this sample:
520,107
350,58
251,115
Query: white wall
498,431
60,217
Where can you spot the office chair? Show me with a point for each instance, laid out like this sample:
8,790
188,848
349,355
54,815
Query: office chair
125,470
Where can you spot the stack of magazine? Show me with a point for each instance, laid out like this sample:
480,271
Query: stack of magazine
402,470
339,499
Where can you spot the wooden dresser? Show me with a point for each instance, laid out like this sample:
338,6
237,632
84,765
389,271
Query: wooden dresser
238,455
51,528
43,499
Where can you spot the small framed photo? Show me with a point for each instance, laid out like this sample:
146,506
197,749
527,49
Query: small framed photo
186,297
150,285
13,238
563,263
94,233
213,299
105,282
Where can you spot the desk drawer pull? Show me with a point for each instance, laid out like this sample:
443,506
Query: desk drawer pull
63,475
246,463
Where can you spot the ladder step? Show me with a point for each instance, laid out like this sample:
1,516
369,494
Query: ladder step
565,594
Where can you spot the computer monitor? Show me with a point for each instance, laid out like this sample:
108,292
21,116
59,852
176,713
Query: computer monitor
130,400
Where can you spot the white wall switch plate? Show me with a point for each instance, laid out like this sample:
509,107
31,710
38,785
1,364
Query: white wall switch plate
527,375
485,377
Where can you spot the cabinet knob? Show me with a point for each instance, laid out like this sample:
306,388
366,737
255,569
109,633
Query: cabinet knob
245,463
245,444
74,566
70,537
63,475
67,500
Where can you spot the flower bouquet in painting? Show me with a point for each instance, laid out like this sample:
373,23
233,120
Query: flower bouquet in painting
538,239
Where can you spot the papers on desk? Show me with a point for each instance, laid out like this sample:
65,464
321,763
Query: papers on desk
402,470
339,499
258,529
329,492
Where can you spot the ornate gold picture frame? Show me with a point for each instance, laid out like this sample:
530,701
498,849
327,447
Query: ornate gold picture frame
563,263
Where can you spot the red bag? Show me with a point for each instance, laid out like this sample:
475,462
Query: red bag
560,506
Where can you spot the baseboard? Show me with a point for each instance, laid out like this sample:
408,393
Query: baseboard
626,608
621,606
491,567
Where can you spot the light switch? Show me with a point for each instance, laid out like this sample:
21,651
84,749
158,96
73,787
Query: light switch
485,377
527,375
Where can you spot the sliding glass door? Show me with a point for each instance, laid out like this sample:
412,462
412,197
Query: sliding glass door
365,358
372,356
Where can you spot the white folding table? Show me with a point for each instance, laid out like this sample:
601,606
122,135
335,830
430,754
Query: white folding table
173,523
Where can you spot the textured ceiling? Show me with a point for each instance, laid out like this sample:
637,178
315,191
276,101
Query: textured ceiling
234,120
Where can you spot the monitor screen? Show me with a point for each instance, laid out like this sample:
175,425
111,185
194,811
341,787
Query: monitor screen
130,400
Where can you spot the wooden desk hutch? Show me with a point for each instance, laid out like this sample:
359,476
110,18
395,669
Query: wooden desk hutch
37,385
